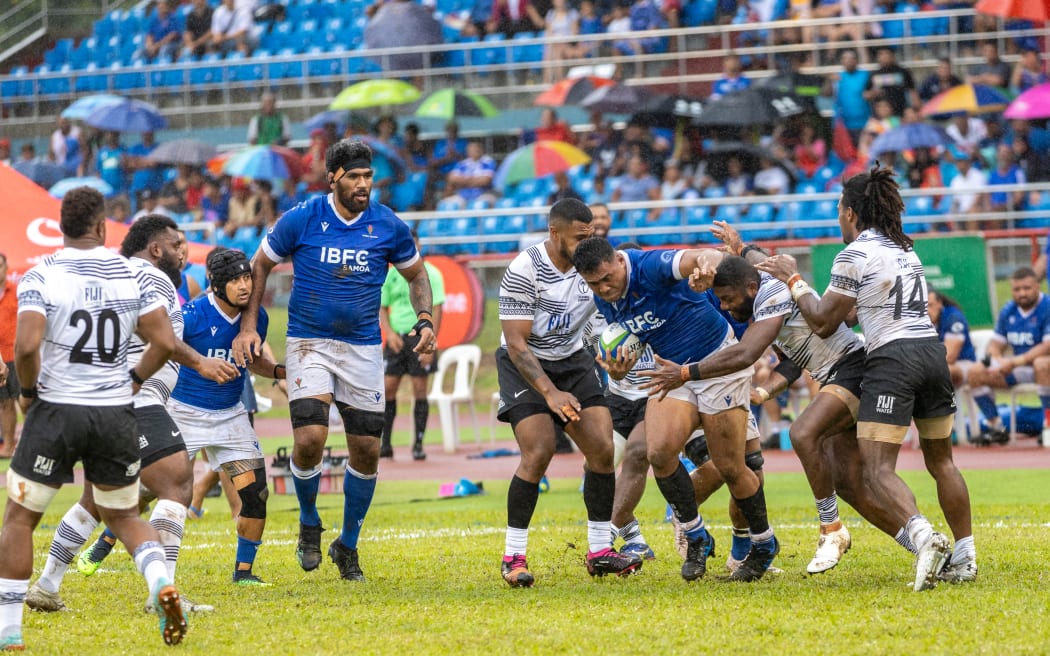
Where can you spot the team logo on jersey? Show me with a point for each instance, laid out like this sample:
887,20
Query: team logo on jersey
214,330
133,469
324,226
884,404
43,465
298,383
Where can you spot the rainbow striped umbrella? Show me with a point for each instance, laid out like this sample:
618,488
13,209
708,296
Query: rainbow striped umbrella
968,98
537,160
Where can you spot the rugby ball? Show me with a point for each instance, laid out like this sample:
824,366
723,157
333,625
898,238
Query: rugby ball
617,342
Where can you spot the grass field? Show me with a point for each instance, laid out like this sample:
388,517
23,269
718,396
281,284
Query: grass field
434,588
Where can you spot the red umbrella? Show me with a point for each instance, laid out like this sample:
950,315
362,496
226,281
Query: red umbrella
1033,10
291,158
571,91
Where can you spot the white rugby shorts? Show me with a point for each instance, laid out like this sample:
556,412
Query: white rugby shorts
715,395
352,373
225,435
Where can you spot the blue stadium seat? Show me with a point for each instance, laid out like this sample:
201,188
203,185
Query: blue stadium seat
491,56
55,85
242,69
917,206
90,79
527,53
764,213
12,88
1040,220
729,213
207,75
104,27
670,218
131,77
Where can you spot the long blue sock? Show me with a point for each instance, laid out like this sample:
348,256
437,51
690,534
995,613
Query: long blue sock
246,550
358,490
307,483
741,544
986,402
108,533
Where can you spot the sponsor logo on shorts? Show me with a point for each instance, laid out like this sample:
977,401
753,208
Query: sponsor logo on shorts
175,433
728,399
517,394
43,465
378,395
884,404
133,469
143,442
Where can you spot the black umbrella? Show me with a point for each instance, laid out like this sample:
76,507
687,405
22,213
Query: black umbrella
402,24
664,110
800,84
616,99
754,106
718,154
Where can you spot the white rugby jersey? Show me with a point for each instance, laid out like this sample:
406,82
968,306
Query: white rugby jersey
628,387
796,339
889,284
560,305
92,300
157,389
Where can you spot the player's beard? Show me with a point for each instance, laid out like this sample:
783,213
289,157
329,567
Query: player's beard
170,266
745,311
352,202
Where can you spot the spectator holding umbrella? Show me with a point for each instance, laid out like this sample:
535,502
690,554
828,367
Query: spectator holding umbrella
1028,72
732,78
110,162
551,129
145,173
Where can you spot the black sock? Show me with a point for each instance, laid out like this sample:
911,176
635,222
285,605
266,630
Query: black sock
754,509
521,502
420,412
598,493
678,491
388,421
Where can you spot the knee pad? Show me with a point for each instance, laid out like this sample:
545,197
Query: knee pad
754,461
361,422
696,450
29,494
254,495
308,412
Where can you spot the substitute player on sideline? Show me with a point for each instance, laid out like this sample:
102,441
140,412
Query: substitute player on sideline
211,415
153,245
77,310
905,370
546,376
341,246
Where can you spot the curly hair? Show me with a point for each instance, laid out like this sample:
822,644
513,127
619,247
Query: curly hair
82,209
145,230
342,153
876,200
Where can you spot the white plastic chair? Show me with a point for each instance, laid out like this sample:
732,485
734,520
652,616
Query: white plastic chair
980,339
464,360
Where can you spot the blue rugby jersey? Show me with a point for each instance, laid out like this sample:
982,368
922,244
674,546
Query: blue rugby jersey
953,322
1023,330
662,311
340,267
210,332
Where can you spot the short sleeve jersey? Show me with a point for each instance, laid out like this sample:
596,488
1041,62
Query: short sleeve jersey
340,267
796,339
157,388
661,310
1023,330
92,300
889,284
559,305
210,332
952,322
396,296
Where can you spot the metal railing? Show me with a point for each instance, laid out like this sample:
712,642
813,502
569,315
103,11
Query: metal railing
211,93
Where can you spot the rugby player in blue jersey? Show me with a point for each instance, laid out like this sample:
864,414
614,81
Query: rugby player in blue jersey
649,293
341,246
210,414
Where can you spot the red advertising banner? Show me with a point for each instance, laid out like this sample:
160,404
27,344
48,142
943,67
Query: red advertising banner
464,302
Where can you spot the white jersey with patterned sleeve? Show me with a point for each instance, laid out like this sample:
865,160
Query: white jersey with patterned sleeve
560,305
796,339
157,389
889,284
92,300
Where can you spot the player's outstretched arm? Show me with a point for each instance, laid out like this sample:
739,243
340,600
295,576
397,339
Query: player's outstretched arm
155,329
248,344
29,335
823,314
213,369
517,332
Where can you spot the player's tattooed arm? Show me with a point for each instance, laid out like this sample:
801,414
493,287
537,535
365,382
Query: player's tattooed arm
517,332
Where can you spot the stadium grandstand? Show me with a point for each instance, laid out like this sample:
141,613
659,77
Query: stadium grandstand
675,113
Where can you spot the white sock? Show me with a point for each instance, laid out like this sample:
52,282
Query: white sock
72,533
517,540
919,530
964,551
149,558
12,603
169,518
599,536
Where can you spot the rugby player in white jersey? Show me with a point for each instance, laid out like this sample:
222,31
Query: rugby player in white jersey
905,371
77,311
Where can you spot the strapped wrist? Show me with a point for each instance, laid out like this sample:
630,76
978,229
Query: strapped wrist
135,377
28,392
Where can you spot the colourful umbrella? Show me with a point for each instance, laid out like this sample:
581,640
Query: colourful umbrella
537,160
907,137
1032,104
570,91
261,159
127,116
448,104
1033,10
375,93
83,107
60,189
969,98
